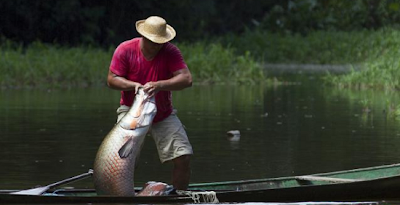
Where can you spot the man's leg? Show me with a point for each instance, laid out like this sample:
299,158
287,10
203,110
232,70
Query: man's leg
173,146
181,172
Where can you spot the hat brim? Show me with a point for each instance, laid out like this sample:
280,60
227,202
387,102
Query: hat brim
170,34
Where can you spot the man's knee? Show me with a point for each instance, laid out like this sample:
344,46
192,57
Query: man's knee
182,161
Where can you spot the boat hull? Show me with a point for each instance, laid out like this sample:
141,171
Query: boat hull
368,184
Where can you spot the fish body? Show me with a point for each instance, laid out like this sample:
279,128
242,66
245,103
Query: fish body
115,160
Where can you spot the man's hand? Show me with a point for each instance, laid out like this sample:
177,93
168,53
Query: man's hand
121,83
137,86
181,79
151,88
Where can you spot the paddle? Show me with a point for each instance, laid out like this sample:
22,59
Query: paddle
41,190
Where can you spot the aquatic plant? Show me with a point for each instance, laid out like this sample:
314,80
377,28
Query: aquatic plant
366,104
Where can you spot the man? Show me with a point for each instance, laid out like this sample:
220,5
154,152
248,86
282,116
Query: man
156,65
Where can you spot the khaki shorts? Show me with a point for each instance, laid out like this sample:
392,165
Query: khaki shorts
169,135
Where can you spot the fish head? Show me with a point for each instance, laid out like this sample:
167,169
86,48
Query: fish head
142,112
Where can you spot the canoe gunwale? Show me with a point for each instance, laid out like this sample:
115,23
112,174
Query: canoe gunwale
239,182
384,187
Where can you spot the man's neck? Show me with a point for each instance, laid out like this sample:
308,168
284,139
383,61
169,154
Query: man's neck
147,52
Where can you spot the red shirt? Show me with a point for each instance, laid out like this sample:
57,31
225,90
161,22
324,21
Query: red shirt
129,62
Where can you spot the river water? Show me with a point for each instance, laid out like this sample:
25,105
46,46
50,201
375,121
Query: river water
302,127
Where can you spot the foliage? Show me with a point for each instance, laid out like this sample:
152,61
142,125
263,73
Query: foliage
101,22
317,47
308,15
105,23
381,69
236,59
215,63
44,65
373,54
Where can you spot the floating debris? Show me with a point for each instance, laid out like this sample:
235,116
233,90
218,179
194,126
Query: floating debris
233,132
233,135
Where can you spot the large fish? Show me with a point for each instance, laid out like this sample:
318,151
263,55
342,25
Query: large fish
115,161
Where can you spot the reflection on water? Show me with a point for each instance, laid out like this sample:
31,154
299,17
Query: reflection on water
285,130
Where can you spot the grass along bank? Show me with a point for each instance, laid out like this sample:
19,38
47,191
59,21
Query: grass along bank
381,70
376,52
229,59
43,65
317,47
214,63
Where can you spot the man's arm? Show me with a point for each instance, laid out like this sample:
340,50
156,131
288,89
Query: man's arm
181,79
120,83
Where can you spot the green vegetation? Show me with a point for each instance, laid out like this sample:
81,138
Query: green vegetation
380,68
229,59
375,52
43,65
212,63
101,23
75,33
318,47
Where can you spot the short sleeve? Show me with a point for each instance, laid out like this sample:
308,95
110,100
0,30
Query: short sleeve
118,63
175,59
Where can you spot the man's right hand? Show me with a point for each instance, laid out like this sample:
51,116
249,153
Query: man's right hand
137,86
120,83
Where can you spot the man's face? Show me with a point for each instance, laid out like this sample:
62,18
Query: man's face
151,46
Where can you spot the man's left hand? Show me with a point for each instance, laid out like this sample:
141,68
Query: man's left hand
151,88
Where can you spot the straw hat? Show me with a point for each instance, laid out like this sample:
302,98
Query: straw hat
155,29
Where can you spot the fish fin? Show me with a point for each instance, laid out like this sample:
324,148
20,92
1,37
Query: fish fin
134,124
126,149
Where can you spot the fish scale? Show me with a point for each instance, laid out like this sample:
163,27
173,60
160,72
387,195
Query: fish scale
115,160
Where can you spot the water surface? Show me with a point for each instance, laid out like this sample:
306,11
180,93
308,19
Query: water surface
301,128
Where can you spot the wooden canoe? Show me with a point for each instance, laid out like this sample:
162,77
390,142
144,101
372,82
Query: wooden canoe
365,184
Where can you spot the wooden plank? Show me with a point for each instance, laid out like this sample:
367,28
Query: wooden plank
325,179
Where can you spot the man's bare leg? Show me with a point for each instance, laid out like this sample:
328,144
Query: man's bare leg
181,172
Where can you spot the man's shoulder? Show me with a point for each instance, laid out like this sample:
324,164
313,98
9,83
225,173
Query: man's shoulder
169,47
132,43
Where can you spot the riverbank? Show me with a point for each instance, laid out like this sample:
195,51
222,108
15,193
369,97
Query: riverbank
375,53
229,59
43,65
